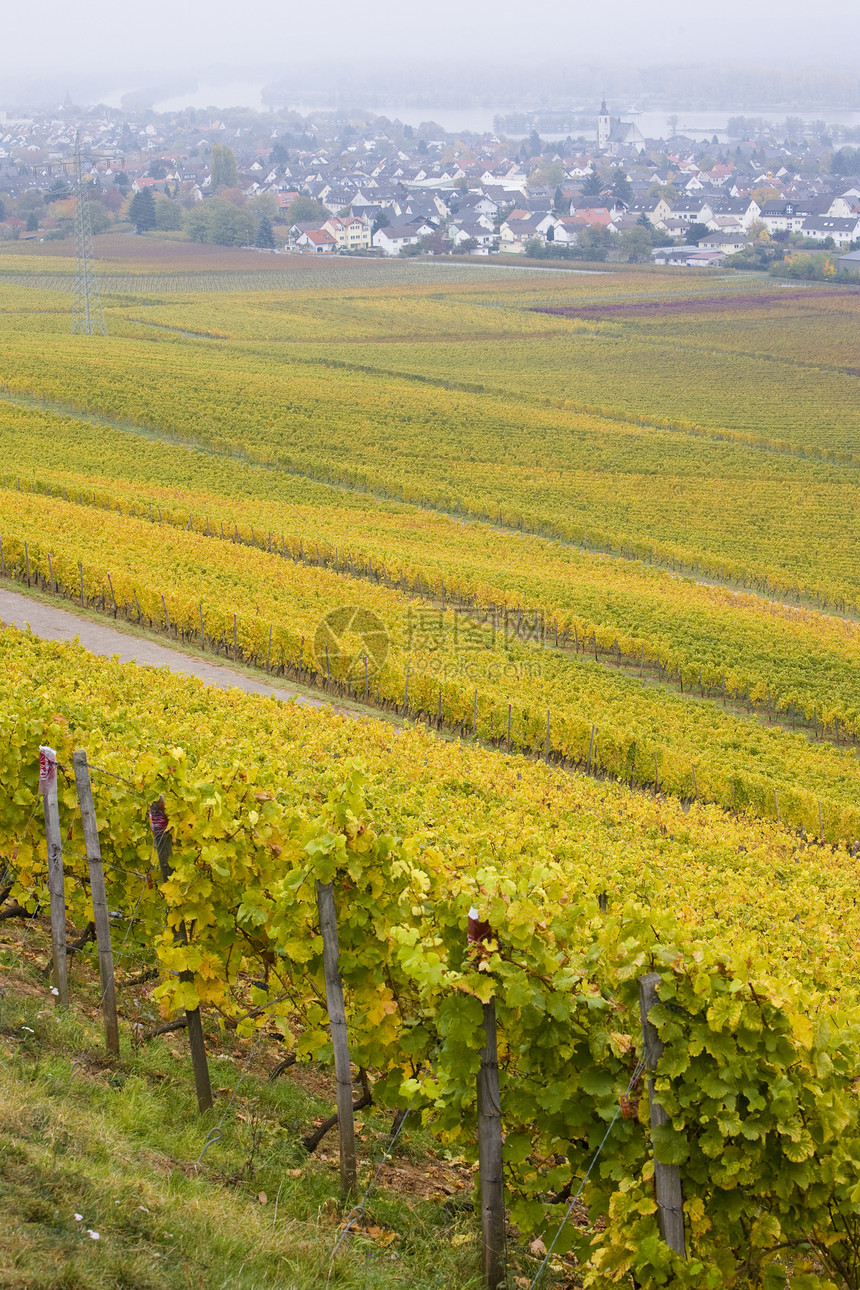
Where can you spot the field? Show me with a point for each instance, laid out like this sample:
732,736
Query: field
589,540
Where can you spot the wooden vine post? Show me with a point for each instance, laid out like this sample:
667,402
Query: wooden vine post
97,891
667,1178
56,877
490,1164
164,851
339,1040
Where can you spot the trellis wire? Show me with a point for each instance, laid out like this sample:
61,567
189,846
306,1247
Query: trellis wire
8,868
23,942
640,1067
358,1210
215,1135
35,912
121,954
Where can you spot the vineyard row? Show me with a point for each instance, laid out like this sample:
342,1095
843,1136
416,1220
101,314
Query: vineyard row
507,521
688,677
761,1125
453,709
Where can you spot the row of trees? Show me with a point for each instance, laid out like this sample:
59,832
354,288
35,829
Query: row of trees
219,219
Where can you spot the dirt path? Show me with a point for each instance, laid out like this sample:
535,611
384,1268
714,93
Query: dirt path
51,623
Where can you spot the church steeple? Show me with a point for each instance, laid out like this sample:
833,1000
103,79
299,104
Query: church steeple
604,125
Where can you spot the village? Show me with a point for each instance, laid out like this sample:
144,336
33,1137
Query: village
358,184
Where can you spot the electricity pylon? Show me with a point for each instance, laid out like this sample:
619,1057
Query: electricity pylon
87,313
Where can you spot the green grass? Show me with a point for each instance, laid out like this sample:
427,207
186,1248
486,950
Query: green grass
117,1140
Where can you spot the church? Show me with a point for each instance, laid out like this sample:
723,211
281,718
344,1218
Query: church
619,139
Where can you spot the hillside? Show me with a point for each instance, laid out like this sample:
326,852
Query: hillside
595,571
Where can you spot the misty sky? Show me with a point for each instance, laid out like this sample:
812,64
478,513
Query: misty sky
178,34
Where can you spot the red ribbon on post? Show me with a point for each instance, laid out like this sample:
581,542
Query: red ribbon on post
158,818
47,769
478,931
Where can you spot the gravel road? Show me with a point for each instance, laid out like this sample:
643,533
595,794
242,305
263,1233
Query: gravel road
52,623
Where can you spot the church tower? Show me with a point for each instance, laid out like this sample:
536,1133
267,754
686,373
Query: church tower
604,126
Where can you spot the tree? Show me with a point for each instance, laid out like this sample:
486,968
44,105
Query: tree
168,214
195,223
100,220
234,195
121,180
112,200
3,213
558,202
381,221
157,170
304,210
765,193
229,226
696,232
846,161
265,234
141,210
265,204
222,167
622,189
549,174
32,219
636,244
593,185
60,190
594,243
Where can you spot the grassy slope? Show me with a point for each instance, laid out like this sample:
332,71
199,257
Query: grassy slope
116,1140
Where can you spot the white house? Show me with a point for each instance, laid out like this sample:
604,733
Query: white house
781,217
821,227
515,232
730,243
567,230
316,240
688,257
467,231
689,210
392,239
